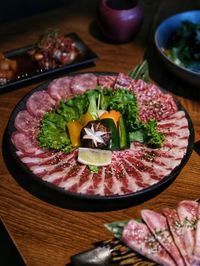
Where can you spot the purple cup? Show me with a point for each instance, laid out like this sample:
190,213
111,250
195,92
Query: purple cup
119,20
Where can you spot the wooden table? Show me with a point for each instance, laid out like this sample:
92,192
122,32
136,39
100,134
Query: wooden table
49,235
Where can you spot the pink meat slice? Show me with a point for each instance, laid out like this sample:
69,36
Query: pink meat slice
123,81
176,228
39,103
42,159
106,81
83,82
27,123
59,89
157,224
197,236
52,164
25,143
137,236
153,104
188,214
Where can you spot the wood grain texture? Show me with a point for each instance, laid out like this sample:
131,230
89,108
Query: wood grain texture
48,235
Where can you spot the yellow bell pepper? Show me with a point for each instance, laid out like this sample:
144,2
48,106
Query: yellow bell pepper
87,117
74,129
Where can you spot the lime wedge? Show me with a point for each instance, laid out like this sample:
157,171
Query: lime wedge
95,157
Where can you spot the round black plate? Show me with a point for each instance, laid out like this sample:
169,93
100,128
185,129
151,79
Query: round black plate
60,197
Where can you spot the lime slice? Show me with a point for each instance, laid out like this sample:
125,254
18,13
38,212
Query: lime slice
95,157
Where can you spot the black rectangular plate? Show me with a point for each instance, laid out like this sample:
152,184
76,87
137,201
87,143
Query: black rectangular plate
86,59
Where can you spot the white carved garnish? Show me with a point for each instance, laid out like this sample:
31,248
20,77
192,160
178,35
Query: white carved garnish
95,136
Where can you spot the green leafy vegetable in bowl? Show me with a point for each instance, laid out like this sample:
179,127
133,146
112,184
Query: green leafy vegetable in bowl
184,46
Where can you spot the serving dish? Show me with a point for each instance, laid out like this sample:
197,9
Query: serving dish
29,72
84,202
162,36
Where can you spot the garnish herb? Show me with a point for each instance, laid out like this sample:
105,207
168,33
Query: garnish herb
93,168
153,136
53,133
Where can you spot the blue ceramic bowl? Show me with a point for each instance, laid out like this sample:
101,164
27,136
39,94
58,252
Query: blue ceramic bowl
162,36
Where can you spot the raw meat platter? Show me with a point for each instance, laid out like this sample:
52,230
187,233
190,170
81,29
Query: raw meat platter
134,174
167,237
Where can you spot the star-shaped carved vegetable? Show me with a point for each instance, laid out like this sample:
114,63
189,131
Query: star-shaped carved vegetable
95,135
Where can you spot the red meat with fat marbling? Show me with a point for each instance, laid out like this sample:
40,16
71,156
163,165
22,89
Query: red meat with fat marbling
197,236
124,82
176,229
27,123
157,224
39,103
42,159
59,89
153,104
139,238
106,81
83,82
188,215
25,143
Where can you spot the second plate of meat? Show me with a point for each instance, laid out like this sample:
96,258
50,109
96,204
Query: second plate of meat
138,135
52,55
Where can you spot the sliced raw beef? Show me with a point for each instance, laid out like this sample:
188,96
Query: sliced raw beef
123,81
188,213
39,103
131,170
157,224
59,89
44,158
83,82
106,81
176,228
177,119
56,163
27,123
197,236
25,143
153,104
138,237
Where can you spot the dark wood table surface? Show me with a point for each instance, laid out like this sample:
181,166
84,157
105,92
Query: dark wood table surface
46,234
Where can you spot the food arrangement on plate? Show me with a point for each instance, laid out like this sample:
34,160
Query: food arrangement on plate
170,237
101,135
52,53
54,50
